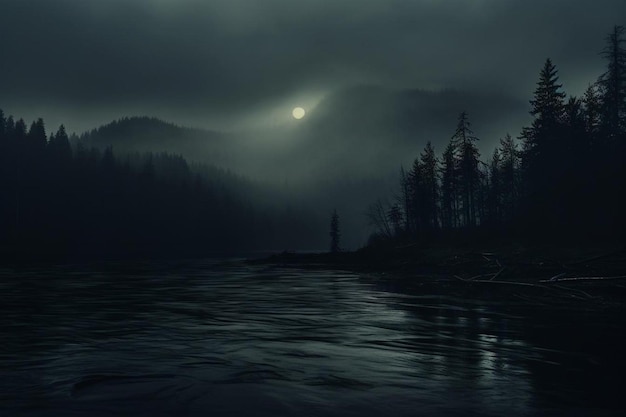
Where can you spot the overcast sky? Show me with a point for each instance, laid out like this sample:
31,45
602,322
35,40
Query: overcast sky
218,63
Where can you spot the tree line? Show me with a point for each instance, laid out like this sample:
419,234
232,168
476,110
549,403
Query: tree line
59,197
563,177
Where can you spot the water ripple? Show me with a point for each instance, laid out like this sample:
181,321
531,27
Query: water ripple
181,338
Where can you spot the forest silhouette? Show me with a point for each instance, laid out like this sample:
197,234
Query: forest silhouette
562,180
60,198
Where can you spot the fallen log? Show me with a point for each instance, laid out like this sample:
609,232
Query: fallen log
555,279
497,274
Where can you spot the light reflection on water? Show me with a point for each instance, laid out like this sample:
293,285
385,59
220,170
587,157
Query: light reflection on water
193,337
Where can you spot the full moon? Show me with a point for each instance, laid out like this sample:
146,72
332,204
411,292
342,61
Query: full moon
298,113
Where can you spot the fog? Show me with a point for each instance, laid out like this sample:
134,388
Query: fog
345,153
378,79
224,63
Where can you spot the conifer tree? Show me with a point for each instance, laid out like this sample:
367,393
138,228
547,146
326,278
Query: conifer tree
469,175
2,127
415,191
449,187
430,186
544,142
59,145
577,148
613,84
509,176
37,138
405,200
547,104
591,109
495,188
9,129
19,132
335,234
547,109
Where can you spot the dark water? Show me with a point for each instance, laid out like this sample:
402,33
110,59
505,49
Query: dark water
201,338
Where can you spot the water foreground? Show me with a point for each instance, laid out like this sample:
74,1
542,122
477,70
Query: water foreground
197,338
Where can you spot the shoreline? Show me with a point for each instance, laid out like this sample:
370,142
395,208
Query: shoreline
555,276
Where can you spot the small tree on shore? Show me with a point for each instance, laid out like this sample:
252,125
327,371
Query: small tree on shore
334,233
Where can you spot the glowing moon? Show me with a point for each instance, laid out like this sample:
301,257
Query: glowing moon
298,113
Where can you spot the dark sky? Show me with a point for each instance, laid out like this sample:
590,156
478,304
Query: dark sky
225,63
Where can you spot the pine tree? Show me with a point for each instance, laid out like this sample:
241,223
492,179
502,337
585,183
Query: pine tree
414,180
547,104
9,129
495,188
544,142
430,186
509,176
59,145
612,136
547,109
449,187
578,147
591,110
335,234
2,127
469,174
405,200
482,193
19,132
613,84
36,136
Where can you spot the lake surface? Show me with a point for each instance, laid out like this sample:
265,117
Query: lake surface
200,338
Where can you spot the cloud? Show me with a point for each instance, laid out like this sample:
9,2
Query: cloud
214,62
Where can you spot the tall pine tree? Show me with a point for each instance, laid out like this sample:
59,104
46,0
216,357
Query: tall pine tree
613,85
430,187
544,142
469,173
449,187
335,234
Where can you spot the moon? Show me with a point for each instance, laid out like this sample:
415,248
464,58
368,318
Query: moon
298,113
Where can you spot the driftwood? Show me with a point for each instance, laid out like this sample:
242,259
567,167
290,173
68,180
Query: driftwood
498,273
558,279
558,291
598,281
492,281
574,290
526,284
475,277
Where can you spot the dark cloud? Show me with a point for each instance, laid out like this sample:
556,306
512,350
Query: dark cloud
216,62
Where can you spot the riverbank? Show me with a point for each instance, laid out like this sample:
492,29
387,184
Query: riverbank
587,277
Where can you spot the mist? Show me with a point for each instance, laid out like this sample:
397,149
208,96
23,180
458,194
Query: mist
313,160
227,64
312,207
215,83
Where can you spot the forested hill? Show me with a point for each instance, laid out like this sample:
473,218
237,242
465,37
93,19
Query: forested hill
149,134
58,201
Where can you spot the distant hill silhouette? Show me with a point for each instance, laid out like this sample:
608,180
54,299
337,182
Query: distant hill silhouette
141,134
384,124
